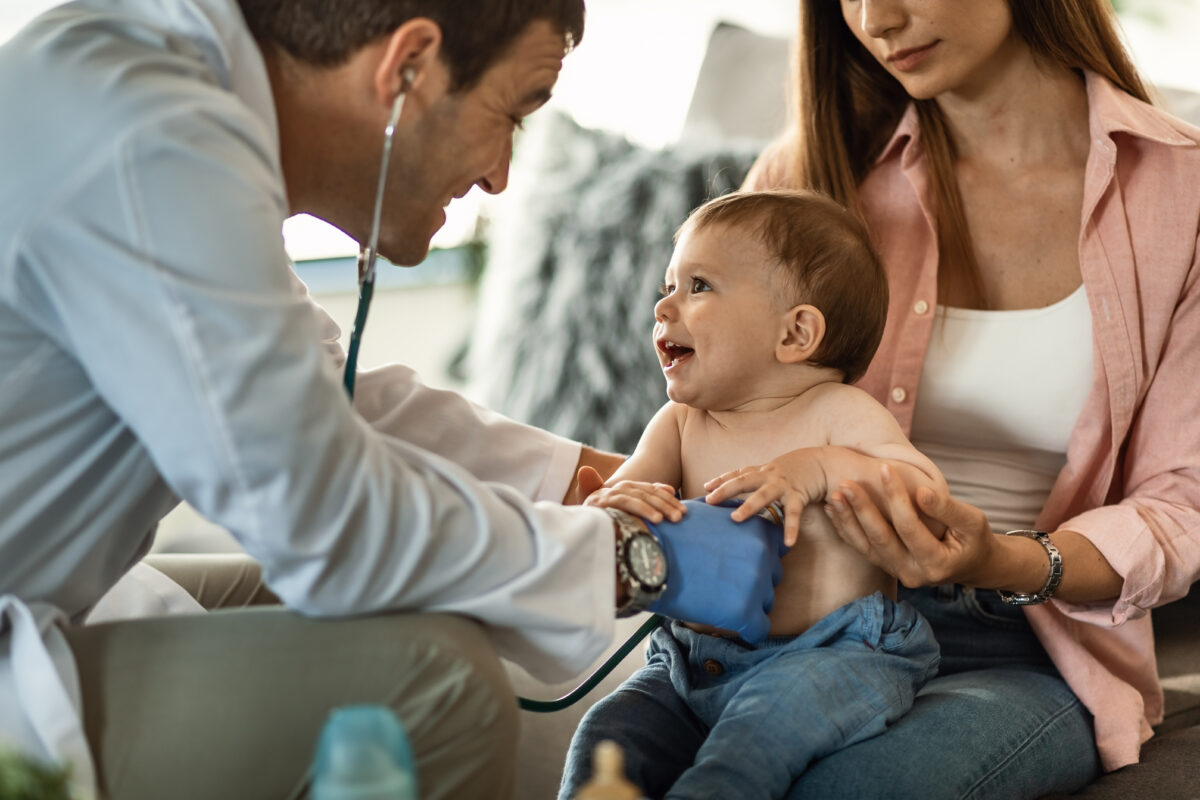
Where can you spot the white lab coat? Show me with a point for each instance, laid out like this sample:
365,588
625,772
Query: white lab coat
154,344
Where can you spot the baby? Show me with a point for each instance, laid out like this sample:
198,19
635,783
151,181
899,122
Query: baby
773,303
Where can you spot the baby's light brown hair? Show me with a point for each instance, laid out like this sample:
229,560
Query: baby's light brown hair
824,257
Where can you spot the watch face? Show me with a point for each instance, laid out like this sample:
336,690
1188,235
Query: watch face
646,562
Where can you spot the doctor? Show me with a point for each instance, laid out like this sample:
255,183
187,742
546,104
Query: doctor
154,345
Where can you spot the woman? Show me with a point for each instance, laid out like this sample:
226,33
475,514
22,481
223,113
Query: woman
1038,219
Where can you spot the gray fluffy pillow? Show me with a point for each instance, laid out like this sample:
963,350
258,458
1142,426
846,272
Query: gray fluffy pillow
574,260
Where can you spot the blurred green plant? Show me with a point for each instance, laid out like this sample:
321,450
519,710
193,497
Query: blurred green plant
24,779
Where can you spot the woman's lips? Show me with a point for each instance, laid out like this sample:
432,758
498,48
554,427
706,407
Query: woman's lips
908,60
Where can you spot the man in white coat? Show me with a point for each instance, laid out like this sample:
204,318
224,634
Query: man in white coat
156,346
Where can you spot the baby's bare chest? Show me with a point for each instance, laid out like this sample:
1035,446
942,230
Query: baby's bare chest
708,451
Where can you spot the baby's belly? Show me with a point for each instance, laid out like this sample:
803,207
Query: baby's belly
821,573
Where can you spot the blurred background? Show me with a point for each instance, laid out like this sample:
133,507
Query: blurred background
633,75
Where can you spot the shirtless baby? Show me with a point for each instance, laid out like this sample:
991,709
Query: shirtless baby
773,303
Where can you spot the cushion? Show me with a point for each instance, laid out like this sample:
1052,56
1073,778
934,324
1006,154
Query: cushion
1169,769
1178,650
740,89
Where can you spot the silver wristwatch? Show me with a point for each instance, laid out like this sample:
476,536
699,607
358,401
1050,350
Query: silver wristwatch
641,563
1052,580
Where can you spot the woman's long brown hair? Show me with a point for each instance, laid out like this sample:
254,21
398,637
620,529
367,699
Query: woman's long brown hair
848,107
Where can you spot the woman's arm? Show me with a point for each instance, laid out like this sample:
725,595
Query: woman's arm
769,170
1118,559
968,552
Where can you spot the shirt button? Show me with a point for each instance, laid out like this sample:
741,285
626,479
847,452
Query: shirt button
713,667
898,394
920,307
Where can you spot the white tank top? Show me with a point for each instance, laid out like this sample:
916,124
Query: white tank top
1000,392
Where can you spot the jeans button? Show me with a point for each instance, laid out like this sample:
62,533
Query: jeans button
713,667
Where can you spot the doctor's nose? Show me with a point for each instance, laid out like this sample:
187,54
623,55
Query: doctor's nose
495,180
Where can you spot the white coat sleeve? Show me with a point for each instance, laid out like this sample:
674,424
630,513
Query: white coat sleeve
489,445
185,317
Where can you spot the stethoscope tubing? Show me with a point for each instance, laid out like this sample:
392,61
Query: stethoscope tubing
368,255
366,289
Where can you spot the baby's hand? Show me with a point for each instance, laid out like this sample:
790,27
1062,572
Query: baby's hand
791,481
651,501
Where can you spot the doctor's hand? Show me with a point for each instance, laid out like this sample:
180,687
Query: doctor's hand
592,470
720,572
906,547
587,481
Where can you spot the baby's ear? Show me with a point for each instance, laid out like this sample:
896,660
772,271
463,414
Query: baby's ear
804,328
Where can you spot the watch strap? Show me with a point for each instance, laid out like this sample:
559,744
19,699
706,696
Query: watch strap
637,595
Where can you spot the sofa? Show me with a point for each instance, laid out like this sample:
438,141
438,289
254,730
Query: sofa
576,249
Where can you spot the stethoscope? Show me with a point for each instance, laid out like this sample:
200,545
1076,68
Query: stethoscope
368,254
366,289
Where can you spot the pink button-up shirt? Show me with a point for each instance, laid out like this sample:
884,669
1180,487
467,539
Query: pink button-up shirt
1131,483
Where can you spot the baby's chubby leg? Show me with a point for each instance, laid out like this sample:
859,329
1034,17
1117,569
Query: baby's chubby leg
793,701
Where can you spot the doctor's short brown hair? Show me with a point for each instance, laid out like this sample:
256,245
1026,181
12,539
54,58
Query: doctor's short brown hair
823,256
475,33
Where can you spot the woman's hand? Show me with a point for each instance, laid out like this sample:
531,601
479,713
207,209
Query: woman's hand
794,480
651,501
906,547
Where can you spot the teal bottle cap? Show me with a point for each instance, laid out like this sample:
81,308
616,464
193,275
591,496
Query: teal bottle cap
363,754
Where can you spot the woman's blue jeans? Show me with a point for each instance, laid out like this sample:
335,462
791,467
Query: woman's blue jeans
997,722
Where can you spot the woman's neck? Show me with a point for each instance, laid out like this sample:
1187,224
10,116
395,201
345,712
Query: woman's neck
1024,116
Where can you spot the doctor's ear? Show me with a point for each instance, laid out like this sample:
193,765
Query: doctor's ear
804,329
409,57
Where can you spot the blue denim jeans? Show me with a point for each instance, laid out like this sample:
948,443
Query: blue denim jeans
766,711
997,721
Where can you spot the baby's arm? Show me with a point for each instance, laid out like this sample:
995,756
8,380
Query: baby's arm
864,427
645,484
860,434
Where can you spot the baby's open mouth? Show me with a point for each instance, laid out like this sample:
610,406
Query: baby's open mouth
674,352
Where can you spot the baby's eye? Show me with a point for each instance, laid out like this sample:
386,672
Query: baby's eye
700,285
665,289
